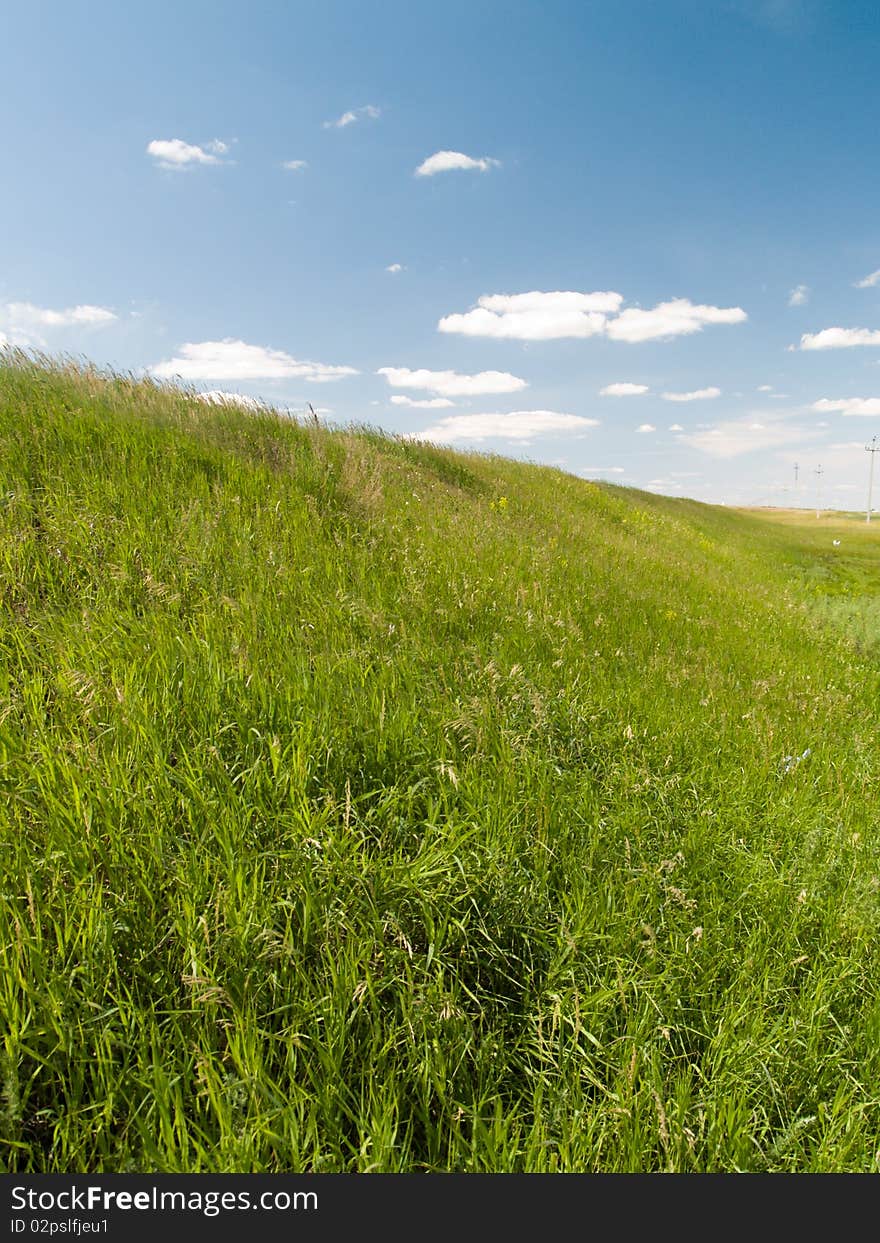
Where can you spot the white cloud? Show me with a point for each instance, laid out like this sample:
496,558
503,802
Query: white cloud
646,427
739,436
451,383
22,324
839,338
799,296
354,114
518,425
868,282
698,394
427,403
676,318
765,388
624,389
174,153
848,405
539,316
448,161
236,360
26,315
676,427
394,267
535,316
602,470
294,166
216,397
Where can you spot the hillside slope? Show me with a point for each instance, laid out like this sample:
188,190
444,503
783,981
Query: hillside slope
372,806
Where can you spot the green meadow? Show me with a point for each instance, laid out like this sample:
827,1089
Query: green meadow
370,806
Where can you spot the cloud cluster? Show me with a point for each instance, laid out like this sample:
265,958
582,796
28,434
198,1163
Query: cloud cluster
848,405
799,296
175,154
451,383
698,394
749,435
217,397
452,161
644,428
23,324
424,403
394,268
623,389
839,338
519,425
369,111
677,318
294,166
534,316
551,316
236,360
26,315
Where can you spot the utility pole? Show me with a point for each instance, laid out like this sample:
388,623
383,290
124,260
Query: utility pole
872,448
819,472
796,469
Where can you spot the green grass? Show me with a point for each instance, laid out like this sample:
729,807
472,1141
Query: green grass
356,819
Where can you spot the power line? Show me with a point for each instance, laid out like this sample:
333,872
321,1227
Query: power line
872,448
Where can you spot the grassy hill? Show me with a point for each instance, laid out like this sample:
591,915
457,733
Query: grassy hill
370,806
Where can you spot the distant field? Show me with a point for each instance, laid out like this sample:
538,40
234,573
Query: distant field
371,806
837,557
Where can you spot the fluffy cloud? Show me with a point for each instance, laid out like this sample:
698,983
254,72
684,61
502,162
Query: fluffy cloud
765,388
535,316
427,403
868,282
451,384
26,315
676,427
839,338
236,360
294,166
698,394
174,153
646,427
394,268
623,389
676,318
799,295
355,114
216,397
539,316
518,425
449,161
23,324
848,405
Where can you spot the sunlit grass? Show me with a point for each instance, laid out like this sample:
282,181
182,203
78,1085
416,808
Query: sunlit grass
369,806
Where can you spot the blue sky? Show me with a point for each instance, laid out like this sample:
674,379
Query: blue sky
686,190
